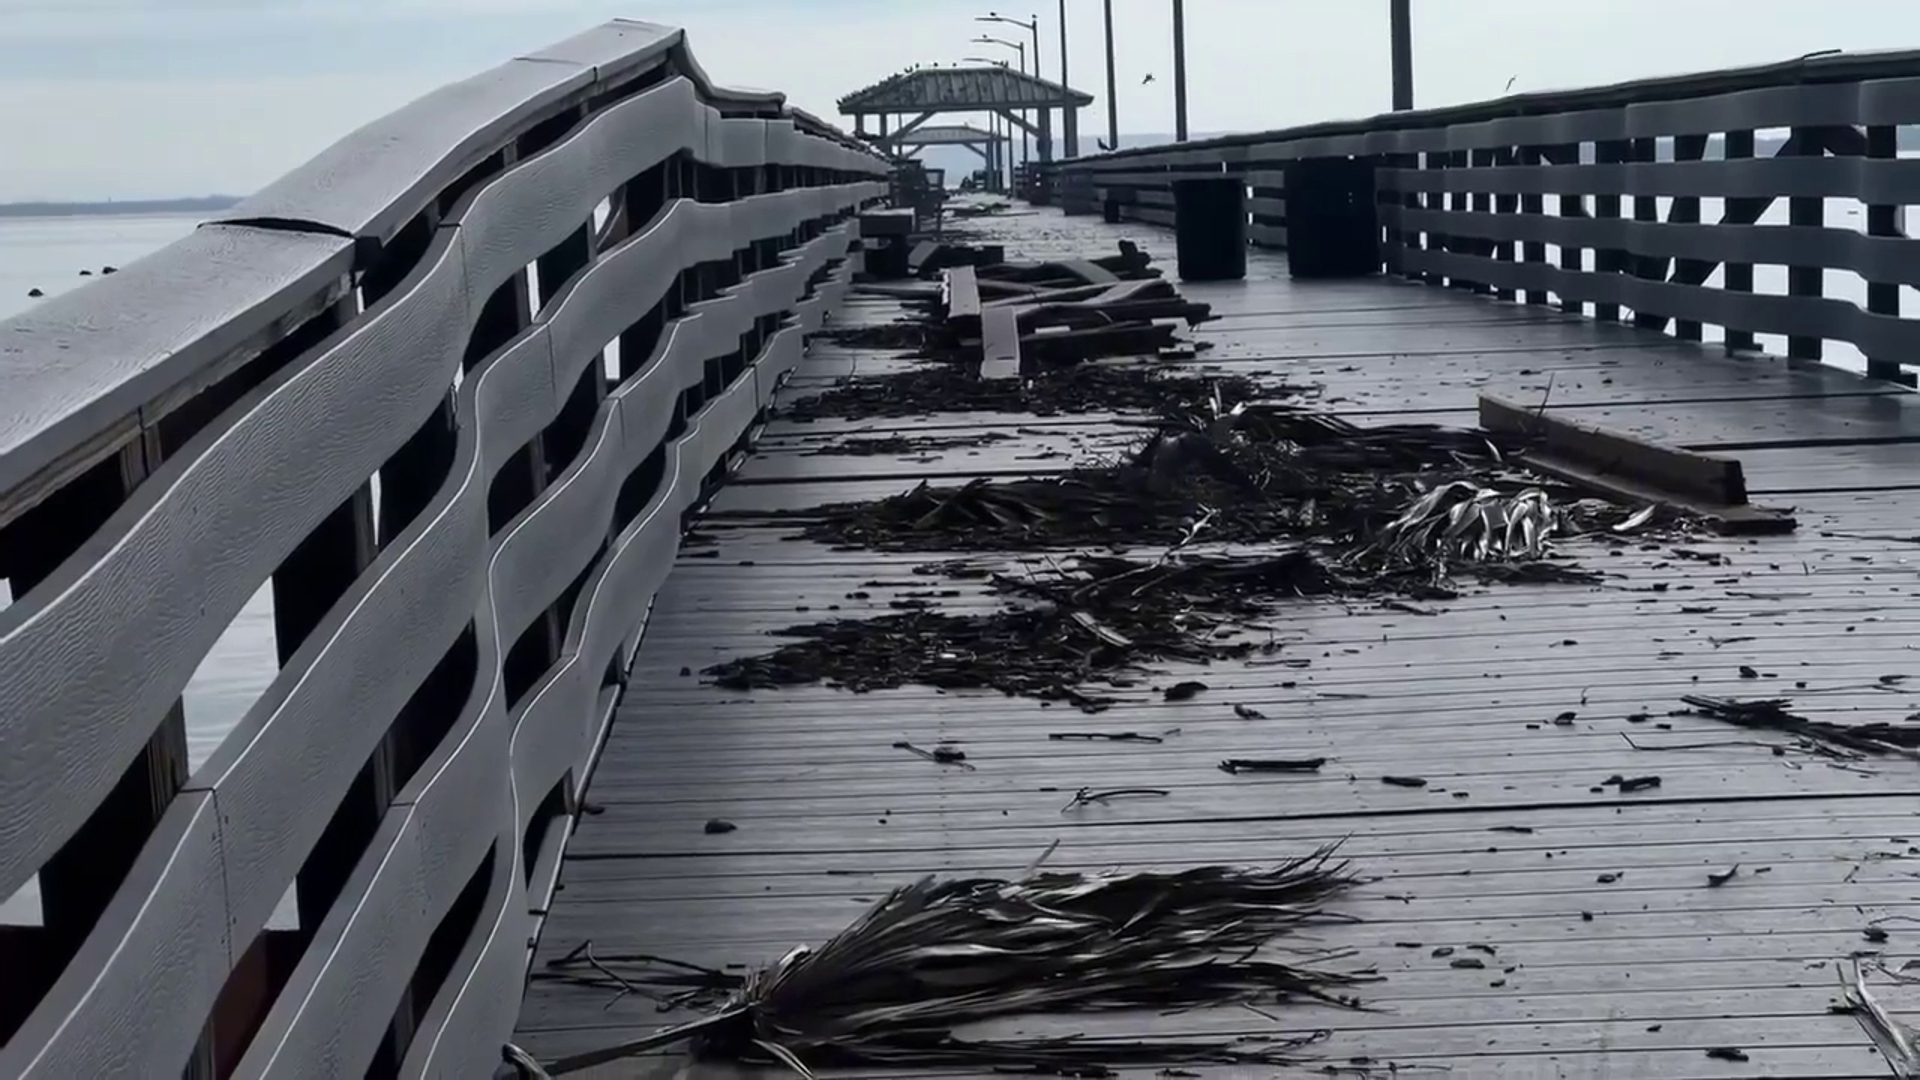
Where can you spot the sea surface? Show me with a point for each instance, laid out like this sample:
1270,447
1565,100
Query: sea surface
51,254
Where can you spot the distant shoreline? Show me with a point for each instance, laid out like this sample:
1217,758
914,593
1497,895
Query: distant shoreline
120,207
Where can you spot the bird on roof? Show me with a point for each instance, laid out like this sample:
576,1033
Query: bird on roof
1102,144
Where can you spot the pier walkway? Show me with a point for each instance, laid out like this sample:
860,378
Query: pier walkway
1529,919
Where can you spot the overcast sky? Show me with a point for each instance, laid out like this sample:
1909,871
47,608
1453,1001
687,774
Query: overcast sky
128,98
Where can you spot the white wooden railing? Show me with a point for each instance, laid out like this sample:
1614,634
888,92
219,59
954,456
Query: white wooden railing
384,386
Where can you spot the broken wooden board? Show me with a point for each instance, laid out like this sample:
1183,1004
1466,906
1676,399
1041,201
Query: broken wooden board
922,251
1626,467
960,293
1093,295
999,344
1094,273
886,223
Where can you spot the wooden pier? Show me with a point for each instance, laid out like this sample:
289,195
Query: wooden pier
1606,950
495,400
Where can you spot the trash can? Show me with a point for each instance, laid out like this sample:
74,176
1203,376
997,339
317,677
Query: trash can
1332,224
1210,228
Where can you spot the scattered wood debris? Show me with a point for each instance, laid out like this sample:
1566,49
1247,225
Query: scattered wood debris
1142,388
1272,765
1846,741
905,445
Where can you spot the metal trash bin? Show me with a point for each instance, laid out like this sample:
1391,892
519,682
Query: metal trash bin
1210,228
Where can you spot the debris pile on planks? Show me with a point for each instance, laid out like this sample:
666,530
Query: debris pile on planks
1242,511
1242,496
906,985
1011,318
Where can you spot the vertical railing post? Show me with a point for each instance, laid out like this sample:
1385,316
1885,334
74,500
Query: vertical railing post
1686,211
1805,212
1608,260
1883,219
1532,207
1573,257
1480,159
1738,276
1646,210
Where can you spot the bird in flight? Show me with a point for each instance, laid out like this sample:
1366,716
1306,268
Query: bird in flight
1147,80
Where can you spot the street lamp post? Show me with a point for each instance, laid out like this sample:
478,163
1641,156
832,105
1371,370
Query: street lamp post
995,167
1402,19
1031,26
1022,49
1063,44
1113,100
1179,71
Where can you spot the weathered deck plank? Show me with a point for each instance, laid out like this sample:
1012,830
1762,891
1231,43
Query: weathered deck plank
1505,845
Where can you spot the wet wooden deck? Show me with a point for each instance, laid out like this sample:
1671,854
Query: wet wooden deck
1508,844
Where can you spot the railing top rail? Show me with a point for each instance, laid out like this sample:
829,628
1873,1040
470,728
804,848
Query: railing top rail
372,181
86,371
1811,69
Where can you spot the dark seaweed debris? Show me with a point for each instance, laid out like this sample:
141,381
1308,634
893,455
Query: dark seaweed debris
1307,485
1094,621
1082,388
1322,507
904,445
900,986
1877,739
1098,625
905,334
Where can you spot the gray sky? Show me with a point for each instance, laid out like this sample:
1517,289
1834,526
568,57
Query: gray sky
128,98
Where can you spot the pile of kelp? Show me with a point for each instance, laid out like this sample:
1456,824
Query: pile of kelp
1177,551
1149,389
1383,498
1081,626
907,985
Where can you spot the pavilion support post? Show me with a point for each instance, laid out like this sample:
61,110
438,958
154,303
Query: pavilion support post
1070,120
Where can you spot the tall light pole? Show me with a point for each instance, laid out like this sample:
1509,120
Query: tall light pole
1063,44
995,169
1179,71
1031,26
1113,98
985,40
1402,20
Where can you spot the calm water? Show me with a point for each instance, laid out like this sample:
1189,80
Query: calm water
50,253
